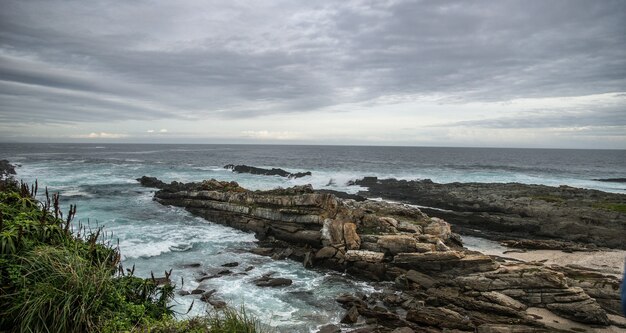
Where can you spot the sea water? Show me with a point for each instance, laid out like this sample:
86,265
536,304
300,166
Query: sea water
101,180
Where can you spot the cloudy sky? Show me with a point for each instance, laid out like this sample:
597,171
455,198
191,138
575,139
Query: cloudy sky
425,73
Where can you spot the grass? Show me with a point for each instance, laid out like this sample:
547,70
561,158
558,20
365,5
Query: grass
55,280
616,207
549,198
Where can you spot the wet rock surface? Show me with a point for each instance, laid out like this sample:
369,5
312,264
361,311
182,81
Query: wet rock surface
430,283
515,211
7,169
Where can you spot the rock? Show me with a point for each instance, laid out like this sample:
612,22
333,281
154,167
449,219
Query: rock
403,330
439,317
438,227
513,211
326,253
395,244
151,182
272,282
231,264
183,293
365,256
348,301
420,278
207,295
351,316
440,246
217,304
7,170
504,300
499,328
191,265
197,291
351,238
330,328
266,172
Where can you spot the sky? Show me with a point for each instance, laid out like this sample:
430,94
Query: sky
548,74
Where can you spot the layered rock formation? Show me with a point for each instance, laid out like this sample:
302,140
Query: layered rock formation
512,210
438,285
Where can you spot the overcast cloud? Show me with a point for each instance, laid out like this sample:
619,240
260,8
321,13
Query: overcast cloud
299,72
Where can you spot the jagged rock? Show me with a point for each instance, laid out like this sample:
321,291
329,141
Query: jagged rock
439,317
272,282
266,172
364,255
330,328
512,210
351,316
420,278
393,242
351,238
326,252
403,330
504,300
7,171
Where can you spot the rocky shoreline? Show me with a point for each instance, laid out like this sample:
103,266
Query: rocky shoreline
535,216
433,284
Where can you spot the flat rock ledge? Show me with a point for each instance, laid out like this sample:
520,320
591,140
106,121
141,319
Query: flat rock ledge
437,285
534,216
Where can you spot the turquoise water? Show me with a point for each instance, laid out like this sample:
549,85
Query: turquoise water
100,179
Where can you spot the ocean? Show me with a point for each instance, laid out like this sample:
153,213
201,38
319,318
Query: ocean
101,180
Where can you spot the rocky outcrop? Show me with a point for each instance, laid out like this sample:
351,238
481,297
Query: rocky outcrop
265,172
7,170
514,211
437,284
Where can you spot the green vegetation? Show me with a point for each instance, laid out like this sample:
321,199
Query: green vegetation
613,206
56,279
549,198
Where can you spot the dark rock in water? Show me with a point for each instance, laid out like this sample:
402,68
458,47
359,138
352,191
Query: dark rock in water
249,268
184,293
351,316
330,328
151,182
265,172
272,282
231,264
191,265
6,169
197,291
217,304
207,295
344,195
611,180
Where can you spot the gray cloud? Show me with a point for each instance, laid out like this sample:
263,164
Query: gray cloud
73,61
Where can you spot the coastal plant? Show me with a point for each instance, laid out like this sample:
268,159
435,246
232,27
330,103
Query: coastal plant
55,278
